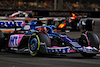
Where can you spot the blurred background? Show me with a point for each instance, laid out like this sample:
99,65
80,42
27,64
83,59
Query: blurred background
68,5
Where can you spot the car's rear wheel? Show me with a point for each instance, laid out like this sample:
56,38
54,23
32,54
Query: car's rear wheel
45,39
1,40
89,25
74,26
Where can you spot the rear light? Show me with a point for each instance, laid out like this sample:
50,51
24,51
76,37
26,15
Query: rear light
64,20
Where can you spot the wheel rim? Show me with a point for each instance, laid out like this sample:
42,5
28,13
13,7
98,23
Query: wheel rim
83,41
33,44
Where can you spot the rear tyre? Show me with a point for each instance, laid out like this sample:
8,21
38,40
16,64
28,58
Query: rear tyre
45,39
89,25
93,40
74,26
1,40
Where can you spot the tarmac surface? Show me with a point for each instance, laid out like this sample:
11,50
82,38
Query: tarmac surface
69,60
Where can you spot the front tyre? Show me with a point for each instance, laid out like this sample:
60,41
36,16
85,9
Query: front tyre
33,44
93,42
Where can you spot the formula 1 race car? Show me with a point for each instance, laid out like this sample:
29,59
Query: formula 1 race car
64,24
74,23
61,43
42,39
21,14
68,25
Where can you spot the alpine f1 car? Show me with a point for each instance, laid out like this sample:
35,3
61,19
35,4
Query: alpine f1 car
38,39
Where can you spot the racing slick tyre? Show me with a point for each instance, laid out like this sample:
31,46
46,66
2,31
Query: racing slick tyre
45,42
93,40
74,26
89,25
34,44
45,39
1,40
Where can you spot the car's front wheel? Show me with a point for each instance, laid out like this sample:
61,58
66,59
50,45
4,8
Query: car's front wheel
92,41
33,44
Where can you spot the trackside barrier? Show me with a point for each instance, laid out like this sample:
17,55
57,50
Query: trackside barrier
44,18
24,18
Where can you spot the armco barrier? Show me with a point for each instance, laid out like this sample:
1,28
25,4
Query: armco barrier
55,13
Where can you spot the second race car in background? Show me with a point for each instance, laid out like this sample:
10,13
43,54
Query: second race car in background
28,14
73,23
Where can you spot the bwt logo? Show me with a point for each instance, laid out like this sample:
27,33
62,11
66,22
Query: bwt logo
14,40
58,50
11,23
